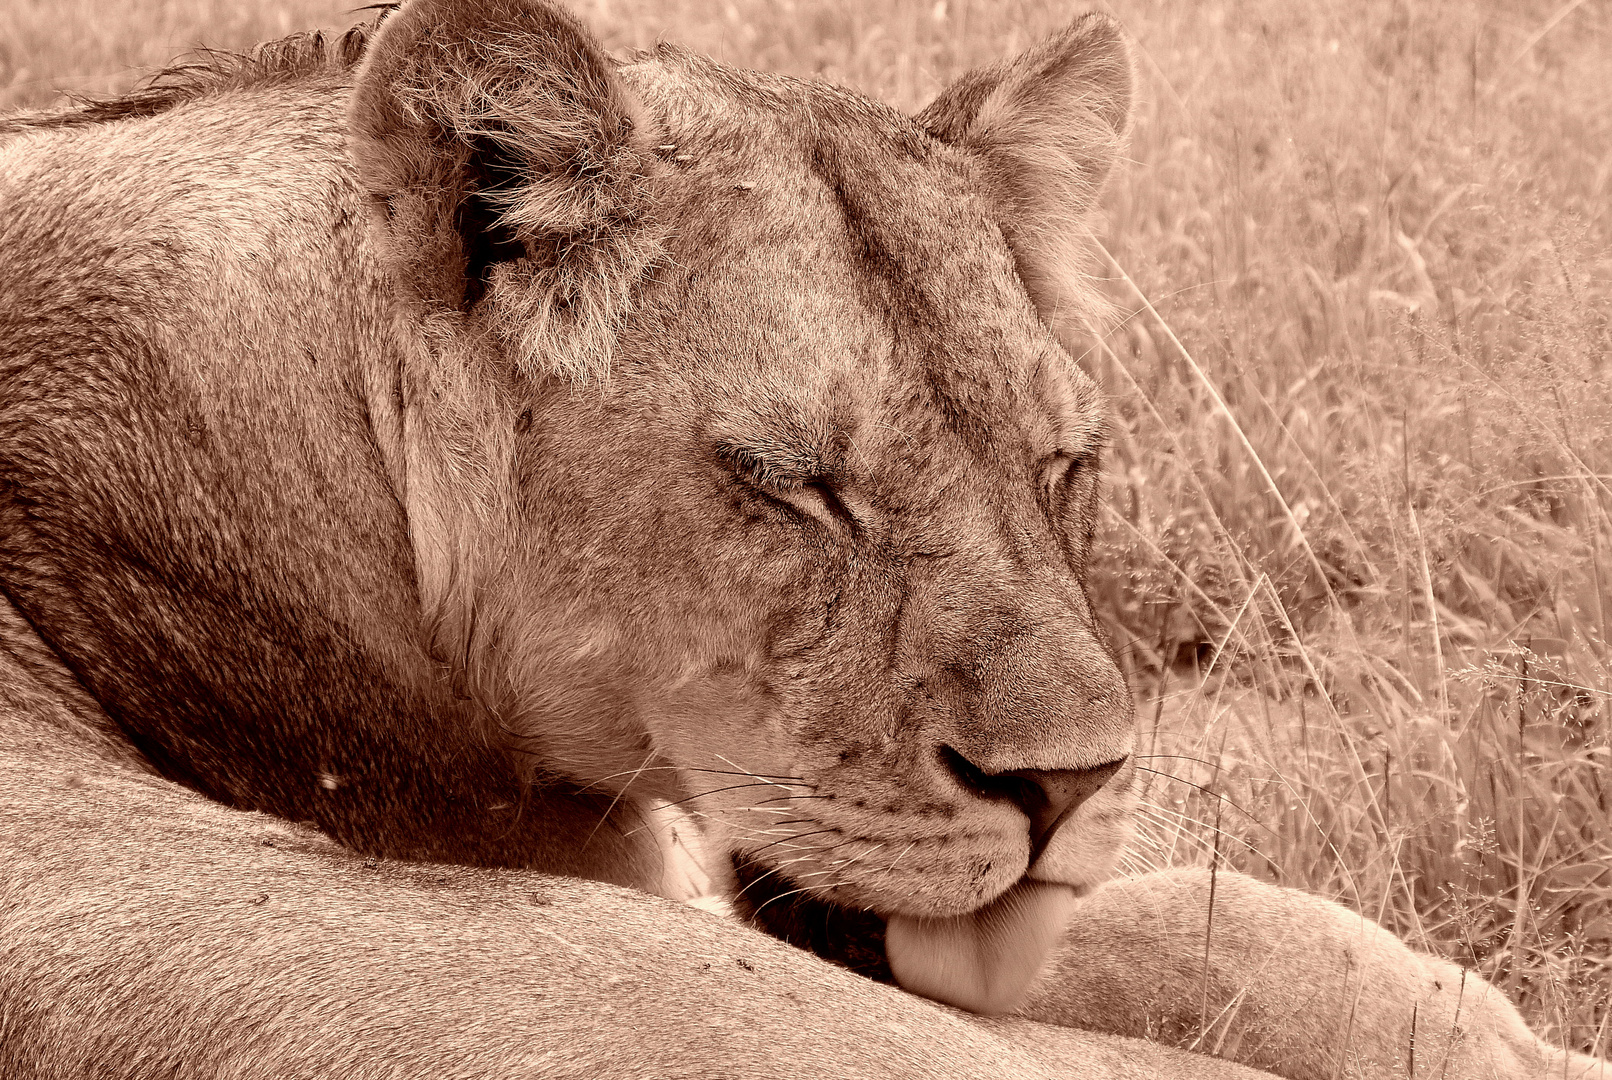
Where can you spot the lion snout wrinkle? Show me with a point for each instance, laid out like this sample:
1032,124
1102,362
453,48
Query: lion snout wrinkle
1044,694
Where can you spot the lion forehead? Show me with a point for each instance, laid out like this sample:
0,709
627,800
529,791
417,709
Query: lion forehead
831,263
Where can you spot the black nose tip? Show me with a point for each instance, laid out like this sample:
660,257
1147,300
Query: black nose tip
1047,796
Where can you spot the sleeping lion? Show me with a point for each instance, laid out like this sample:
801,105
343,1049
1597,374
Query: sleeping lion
439,463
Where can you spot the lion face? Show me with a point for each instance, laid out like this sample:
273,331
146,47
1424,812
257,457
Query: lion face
820,536
801,485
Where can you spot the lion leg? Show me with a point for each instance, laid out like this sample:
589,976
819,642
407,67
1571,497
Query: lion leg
146,931
1283,981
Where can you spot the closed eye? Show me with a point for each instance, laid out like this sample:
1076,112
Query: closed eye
1062,469
816,499
813,496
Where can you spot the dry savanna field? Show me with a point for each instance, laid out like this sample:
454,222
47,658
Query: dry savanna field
1357,552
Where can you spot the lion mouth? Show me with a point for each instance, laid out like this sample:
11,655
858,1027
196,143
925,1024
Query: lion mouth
926,937
850,937
984,960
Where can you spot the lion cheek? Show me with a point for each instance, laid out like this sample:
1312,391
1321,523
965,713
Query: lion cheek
716,726
986,960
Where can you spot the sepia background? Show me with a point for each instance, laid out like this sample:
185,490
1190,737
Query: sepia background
1357,555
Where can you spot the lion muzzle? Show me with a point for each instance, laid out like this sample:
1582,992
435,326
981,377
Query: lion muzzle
985,960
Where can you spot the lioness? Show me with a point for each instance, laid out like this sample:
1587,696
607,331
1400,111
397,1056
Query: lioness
433,460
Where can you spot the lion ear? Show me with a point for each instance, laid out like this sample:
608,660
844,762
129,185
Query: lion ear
508,167
1046,127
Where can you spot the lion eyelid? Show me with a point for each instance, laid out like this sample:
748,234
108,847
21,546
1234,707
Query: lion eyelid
815,498
1059,468
811,496
831,498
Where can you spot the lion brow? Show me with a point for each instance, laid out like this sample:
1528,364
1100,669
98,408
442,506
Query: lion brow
776,462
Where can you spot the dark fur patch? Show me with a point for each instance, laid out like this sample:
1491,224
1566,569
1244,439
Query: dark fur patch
492,172
850,937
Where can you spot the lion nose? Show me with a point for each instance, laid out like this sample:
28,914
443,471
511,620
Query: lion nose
1047,796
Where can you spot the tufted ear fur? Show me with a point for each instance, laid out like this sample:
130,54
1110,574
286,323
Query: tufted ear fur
1046,126
508,166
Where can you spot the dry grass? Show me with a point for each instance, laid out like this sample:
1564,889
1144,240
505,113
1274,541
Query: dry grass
95,48
1359,548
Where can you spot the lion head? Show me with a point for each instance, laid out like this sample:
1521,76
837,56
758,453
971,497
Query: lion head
793,486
